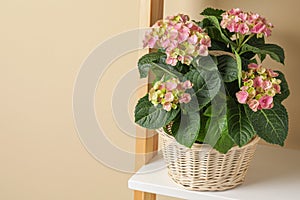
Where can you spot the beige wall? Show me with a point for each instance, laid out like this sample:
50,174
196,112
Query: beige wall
42,45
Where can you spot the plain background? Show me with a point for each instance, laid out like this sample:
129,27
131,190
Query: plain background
42,45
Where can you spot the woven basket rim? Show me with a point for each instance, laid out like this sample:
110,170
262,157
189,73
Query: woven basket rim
197,146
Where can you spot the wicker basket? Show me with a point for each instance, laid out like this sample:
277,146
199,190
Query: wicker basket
202,168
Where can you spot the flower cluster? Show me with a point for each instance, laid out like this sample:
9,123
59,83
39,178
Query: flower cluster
260,85
170,93
181,39
246,23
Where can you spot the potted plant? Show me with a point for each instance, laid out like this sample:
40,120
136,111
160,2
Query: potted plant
212,97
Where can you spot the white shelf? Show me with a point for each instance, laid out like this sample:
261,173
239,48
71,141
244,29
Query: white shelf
274,174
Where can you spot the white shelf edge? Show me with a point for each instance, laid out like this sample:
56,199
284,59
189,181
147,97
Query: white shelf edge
260,182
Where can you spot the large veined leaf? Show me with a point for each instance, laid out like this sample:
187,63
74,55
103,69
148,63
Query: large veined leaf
202,131
225,142
218,106
206,84
205,62
285,92
151,117
146,61
216,128
188,129
248,55
273,50
182,68
239,126
221,46
213,12
232,88
217,134
214,22
239,67
254,41
246,62
176,124
227,68
163,70
270,124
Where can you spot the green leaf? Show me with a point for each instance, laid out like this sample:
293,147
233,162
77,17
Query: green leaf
151,117
227,68
232,88
216,128
273,50
248,55
188,129
262,57
182,68
213,12
246,62
146,61
217,106
202,131
205,62
206,85
285,92
225,142
239,67
214,22
176,124
168,71
254,41
239,126
270,124
217,45
217,134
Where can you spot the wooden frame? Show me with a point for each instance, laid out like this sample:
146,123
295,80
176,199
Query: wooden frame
148,145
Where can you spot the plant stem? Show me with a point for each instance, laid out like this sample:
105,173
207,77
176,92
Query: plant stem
250,36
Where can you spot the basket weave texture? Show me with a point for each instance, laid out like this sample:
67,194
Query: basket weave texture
202,168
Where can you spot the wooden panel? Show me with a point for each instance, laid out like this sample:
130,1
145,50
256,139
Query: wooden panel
146,146
157,10
138,195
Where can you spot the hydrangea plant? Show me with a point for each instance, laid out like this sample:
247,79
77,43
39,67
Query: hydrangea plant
211,85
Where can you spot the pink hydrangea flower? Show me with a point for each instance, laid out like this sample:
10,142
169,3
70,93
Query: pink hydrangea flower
242,96
253,66
185,98
171,61
169,97
277,88
181,39
234,11
257,82
171,85
245,23
271,73
193,39
266,102
258,28
259,87
243,29
170,93
244,88
187,85
203,50
253,104
167,106
266,85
